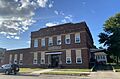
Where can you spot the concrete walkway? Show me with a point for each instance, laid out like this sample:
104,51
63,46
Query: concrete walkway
104,75
41,71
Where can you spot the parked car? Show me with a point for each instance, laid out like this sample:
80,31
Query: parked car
9,69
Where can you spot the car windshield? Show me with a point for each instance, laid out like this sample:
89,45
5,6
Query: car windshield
6,65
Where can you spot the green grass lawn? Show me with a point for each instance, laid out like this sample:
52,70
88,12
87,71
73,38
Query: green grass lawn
28,70
58,71
68,72
117,68
74,70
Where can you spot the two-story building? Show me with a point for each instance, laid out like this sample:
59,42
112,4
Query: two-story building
66,45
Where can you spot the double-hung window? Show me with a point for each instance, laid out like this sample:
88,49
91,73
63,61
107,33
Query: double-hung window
10,59
67,39
68,57
15,59
77,38
50,42
68,60
35,60
21,59
58,40
35,42
78,57
43,42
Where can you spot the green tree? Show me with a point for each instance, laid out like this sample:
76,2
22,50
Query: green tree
111,36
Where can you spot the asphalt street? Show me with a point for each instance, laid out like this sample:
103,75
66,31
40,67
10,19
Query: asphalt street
40,77
93,75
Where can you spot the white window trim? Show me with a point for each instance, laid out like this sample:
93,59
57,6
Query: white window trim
15,58
10,59
42,60
20,62
67,37
43,42
35,58
15,61
78,55
70,60
35,42
59,38
50,41
78,62
76,35
35,62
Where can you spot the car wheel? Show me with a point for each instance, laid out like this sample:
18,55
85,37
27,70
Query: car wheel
15,73
7,72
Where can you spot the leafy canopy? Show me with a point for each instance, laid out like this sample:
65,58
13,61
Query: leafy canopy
111,35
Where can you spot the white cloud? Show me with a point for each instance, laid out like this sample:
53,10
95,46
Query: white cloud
12,36
56,12
17,37
50,5
49,24
62,13
42,3
8,37
69,18
64,21
17,15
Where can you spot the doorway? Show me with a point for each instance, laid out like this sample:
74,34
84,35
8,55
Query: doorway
54,60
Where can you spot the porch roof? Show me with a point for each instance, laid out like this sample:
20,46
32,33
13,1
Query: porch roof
51,53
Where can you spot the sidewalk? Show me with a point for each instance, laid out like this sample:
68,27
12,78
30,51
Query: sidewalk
41,71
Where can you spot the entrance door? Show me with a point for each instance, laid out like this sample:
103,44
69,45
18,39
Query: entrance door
54,60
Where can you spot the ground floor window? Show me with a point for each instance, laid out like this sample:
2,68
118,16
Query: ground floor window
21,62
35,61
42,61
68,60
15,61
78,60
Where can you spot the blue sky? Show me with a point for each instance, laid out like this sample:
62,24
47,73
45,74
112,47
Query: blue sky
18,21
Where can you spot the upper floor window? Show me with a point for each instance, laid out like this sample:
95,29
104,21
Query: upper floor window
67,39
58,40
77,38
43,42
50,42
36,43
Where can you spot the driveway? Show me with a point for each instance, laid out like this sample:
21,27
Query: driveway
104,75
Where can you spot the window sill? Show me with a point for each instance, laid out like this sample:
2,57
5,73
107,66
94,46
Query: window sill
79,63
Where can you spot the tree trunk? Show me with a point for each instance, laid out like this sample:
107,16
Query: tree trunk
117,60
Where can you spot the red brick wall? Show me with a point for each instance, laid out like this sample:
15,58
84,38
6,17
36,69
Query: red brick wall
86,42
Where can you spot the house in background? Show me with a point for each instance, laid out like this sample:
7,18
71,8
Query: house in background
101,57
98,56
66,45
2,53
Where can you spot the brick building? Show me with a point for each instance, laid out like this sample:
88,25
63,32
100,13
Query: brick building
2,53
66,45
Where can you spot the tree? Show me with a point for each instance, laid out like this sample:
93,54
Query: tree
111,36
